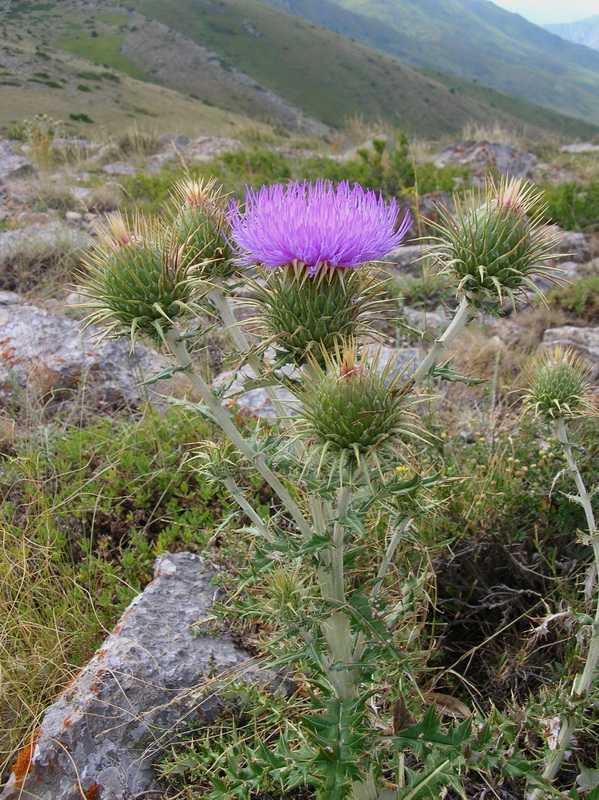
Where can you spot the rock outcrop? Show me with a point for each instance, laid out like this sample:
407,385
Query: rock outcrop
155,672
44,354
483,156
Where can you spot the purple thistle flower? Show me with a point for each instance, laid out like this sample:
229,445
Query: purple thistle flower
316,225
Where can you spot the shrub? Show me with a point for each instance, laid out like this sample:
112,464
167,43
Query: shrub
574,206
580,299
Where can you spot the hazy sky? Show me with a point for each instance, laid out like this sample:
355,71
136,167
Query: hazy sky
544,12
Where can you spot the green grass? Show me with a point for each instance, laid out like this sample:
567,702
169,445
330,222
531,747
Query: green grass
114,19
84,512
103,50
579,299
329,77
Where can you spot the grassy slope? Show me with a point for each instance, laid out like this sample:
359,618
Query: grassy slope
472,39
328,76
112,103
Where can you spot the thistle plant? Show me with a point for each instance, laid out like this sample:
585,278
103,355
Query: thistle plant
559,392
344,473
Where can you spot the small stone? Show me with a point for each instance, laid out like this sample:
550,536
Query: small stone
119,168
404,260
73,216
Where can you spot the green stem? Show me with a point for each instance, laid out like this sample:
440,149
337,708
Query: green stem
243,503
583,682
337,561
223,419
221,303
585,499
464,313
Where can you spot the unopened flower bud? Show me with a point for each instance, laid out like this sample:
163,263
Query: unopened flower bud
134,279
558,386
495,249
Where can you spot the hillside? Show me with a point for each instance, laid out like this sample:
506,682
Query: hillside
246,58
585,32
472,39
36,79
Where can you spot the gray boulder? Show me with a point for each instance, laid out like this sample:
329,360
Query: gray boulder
156,671
43,354
577,245
580,147
483,156
12,164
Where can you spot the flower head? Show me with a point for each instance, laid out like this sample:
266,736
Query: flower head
495,244
315,225
558,385
355,414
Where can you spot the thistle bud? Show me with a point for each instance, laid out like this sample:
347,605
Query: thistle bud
134,279
496,249
353,414
200,227
558,385
307,317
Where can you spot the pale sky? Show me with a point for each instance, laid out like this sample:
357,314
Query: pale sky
545,12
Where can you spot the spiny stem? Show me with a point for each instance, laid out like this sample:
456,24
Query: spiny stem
223,419
221,303
464,313
585,499
583,682
343,502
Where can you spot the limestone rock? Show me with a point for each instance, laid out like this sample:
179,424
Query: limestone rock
119,168
194,152
27,253
578,246
12,164
584,340
43,354
156,670
483,156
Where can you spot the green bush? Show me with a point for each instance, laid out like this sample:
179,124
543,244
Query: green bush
574,206
580,299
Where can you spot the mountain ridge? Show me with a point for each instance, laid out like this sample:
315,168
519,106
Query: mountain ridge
472,39
584,32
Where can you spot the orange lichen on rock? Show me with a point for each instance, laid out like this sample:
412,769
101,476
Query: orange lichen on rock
92,792
22,763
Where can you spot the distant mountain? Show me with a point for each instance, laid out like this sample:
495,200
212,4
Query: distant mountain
240,57
584,32
472,39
